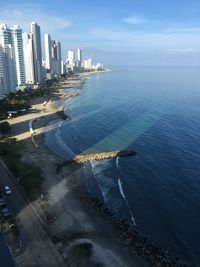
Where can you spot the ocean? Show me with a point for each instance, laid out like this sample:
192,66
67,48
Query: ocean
156,112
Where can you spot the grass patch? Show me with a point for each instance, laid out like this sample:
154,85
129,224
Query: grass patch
28,175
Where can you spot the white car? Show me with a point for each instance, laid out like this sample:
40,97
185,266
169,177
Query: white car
7,190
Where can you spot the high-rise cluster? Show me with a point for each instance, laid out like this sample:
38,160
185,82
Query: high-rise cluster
75,62
21,62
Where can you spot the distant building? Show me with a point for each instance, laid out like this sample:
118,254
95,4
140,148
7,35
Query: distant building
8,59
56,57
79,59
7,70
17,42
63,67
87,64
71,60
48,54
28,58
37,52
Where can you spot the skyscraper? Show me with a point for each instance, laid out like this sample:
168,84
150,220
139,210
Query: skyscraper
8,61
70,59
28,58
17,42
56,57
48,52
37,52
79,59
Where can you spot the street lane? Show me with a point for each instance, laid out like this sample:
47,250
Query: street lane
40,250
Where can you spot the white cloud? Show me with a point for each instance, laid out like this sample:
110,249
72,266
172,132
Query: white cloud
159,40
182,51
134,20
24,15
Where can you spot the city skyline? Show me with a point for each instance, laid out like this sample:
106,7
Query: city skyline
148,32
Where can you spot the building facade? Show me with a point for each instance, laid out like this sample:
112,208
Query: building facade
28,58
37,52
17,42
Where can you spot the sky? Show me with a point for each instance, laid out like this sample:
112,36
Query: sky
116,32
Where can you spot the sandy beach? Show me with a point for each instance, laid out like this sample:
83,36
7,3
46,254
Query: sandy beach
75,222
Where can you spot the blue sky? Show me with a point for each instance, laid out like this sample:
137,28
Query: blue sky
142,32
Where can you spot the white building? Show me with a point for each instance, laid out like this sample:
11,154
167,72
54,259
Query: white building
63,67
28,58
17,43
37,52
7,70
79,59
87,64
71,59
8,77
48,54
56,57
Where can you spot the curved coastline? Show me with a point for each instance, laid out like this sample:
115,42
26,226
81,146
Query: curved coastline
132,238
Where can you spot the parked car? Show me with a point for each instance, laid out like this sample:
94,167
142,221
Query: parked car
2,204
7,190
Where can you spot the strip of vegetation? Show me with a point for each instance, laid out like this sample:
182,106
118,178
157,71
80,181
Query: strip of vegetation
27,175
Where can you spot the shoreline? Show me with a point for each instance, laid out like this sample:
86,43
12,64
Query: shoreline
65,184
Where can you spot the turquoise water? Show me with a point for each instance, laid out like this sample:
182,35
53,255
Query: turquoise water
155,111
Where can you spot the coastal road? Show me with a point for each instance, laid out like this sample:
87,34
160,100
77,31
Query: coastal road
40,251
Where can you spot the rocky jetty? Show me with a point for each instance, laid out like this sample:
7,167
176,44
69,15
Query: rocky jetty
100,156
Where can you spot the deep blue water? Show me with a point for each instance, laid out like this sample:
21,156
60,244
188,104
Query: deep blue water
155,111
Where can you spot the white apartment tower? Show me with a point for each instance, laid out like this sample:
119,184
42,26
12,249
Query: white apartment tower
56,57
28,57
8,77
37,52
79,59
48,54
17,42
70,59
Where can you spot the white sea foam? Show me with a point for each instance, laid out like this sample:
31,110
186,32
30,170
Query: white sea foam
117,162
104,182
124,197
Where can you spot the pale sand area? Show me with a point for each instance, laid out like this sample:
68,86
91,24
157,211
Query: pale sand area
75,222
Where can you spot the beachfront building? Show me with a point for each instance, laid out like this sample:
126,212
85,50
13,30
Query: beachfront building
37,52
28,58
79,59
48,54
2,90
17,43
52,56
87,64
56,57
71,60
63,67
8,78
7,70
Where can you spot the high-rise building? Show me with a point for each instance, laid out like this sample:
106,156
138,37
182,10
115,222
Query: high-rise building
17,42
87,64
37,52
56,57
2,94
28,58
8,61
79,59
48,53
71,59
